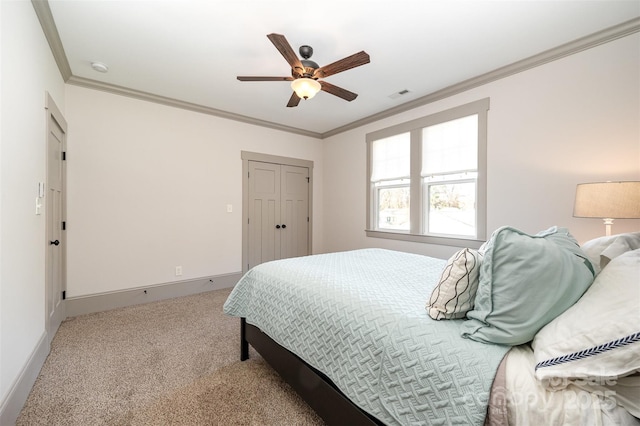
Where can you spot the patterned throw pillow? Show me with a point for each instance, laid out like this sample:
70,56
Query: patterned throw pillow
454,295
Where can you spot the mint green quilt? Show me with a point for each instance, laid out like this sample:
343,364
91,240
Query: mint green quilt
359,317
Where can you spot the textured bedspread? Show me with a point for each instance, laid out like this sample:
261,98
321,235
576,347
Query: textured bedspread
360,318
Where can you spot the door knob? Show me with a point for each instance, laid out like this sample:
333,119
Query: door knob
284,226
54,243
277,226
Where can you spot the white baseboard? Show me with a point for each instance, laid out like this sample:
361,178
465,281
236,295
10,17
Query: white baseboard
117,299
19,392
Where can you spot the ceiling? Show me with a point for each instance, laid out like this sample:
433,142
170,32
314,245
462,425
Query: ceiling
189,52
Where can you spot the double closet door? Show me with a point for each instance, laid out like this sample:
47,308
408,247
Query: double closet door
278,212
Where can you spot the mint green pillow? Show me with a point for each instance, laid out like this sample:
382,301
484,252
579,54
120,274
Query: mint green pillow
525,282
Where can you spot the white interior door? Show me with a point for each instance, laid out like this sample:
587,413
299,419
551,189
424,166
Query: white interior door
55,263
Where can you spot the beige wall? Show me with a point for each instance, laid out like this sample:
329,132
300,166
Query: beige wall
570,121
27,71
148,189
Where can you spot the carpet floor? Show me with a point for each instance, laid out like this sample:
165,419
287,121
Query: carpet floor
173,362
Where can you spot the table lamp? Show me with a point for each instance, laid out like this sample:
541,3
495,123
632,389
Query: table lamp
608,201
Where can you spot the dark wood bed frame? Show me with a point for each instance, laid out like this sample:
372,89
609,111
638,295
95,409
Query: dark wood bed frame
313,386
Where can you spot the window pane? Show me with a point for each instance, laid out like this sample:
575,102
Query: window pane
451,146
393,208
391,158
452,209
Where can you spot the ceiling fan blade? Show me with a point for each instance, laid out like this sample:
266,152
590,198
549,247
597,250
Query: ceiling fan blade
244,78
293,101
338,91
344,64
283,46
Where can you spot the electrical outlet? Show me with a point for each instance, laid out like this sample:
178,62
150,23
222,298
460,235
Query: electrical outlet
178,271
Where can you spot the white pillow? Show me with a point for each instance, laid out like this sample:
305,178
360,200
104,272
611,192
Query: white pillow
599,336
455,293
604,249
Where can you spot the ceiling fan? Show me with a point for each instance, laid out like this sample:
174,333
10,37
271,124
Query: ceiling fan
305,72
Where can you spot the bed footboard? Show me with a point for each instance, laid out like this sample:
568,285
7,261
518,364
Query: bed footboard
313,386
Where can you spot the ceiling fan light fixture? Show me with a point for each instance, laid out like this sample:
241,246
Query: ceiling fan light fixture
305,88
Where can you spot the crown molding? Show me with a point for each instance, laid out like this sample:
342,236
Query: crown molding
613,33
43,11
150,97
51,33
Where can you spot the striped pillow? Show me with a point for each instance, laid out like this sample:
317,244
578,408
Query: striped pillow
454,295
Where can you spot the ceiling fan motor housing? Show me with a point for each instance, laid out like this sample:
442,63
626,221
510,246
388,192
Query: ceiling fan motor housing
309,66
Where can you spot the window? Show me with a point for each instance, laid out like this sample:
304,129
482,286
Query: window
427,178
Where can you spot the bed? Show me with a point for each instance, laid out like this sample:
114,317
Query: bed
374,336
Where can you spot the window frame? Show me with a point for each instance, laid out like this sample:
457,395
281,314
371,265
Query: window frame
414,127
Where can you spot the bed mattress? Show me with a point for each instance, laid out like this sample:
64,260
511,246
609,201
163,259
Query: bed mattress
359,317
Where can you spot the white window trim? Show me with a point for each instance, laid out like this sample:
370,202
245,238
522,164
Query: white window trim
481,108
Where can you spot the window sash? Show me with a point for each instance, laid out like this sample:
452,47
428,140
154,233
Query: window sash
427,186
394,215
391,158
450,145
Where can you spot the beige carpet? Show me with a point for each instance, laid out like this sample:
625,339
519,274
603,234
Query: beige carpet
164,363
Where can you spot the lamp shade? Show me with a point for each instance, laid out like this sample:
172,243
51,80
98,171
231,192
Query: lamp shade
615,200
305,88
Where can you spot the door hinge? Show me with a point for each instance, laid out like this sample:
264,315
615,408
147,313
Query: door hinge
64,155
307,180
307,219
64,294
64,225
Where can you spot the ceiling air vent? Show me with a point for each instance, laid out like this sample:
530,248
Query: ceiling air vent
399,94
